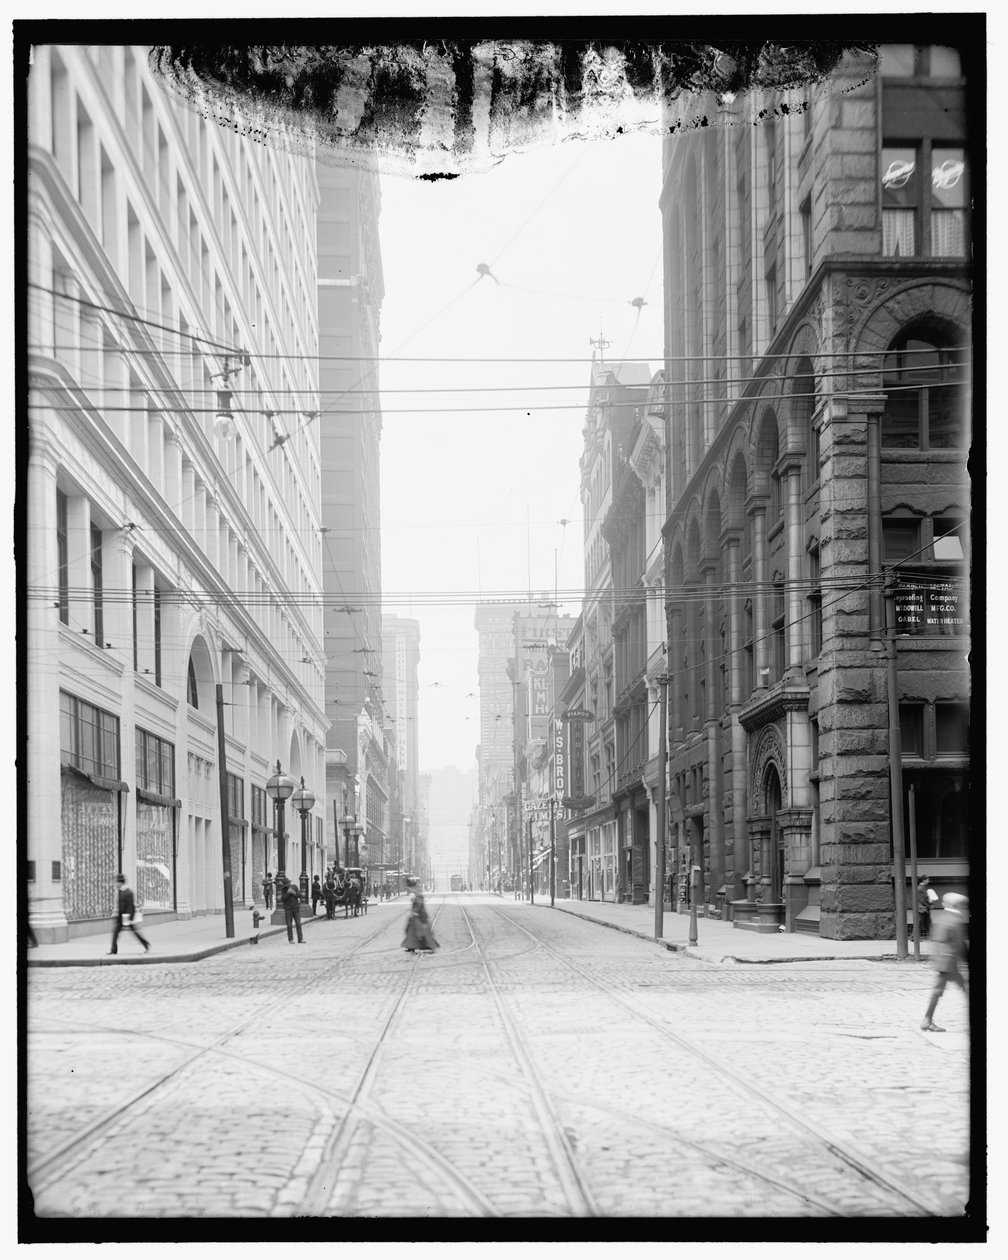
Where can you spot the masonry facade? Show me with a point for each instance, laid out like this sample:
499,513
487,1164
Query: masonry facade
818,331
173,542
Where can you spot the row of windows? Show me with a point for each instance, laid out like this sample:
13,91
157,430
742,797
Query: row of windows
150,287
929,730
89,737
155,763
149,597
89,740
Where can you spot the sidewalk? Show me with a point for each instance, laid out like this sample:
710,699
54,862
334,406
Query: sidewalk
188,940
181,940
718,941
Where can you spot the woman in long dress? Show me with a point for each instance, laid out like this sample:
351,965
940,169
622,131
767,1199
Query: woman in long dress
419,938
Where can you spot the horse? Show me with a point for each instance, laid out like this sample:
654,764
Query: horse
353,897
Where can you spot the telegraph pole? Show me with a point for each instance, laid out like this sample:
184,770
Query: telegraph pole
896,775
552,851
531,871
229,930
659,913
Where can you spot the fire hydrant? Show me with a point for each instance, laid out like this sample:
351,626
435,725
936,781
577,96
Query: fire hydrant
257,918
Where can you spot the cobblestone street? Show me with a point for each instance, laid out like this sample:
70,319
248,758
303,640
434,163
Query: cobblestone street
536,1065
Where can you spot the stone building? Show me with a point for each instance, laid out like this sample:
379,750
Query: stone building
818,331
173,568
349,296
611,498
400,663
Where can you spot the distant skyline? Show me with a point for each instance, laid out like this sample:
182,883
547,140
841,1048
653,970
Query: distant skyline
486,503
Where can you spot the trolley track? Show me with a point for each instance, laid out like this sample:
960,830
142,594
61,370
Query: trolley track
911,1204
580,1199
346,1109
42,1166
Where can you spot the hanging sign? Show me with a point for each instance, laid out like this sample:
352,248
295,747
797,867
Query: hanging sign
578,715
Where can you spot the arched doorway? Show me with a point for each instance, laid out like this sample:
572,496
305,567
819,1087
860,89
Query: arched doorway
775,842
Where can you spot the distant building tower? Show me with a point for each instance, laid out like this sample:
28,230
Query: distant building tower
400,662
350,291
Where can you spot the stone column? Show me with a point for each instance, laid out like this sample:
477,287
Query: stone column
739,836
856,889
712,720
874,435
173,480
796,623
79,566
44,840
145,619
40,273
796,825
761,648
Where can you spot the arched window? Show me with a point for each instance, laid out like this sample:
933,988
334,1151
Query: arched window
924,378
192,694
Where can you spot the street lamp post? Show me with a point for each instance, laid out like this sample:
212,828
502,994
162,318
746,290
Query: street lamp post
279,787
358,831
303,799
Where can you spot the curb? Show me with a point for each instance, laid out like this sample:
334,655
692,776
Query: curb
152,959
701,954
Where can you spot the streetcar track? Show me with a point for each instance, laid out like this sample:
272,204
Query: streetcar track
113,1114
320,1190
580,1199
749,1091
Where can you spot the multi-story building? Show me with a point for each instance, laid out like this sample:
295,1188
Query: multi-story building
818,331
537,635
616,392
624,528
400,663
349,295
495,760
174,559
572,702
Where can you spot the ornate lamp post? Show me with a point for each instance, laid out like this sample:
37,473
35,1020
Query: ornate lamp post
279,786
347,823
302,800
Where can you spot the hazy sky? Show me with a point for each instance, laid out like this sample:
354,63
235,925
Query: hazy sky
473,499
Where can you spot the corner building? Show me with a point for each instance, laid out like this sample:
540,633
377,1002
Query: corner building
173,489
818,331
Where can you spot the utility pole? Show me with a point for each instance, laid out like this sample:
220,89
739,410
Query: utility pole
896,774
552,851
659,913
913,873
229,930
531,872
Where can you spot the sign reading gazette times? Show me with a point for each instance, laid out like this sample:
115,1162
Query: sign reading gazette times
931,603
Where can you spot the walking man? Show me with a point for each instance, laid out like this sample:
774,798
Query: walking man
316,894
948,933
291,899
267,887
126,909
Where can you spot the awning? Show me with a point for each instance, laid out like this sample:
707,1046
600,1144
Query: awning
110,785
156,798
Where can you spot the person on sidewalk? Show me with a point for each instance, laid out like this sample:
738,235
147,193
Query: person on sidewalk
948,935
329,893
927,900
291,901
125,912
316,894
267,888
